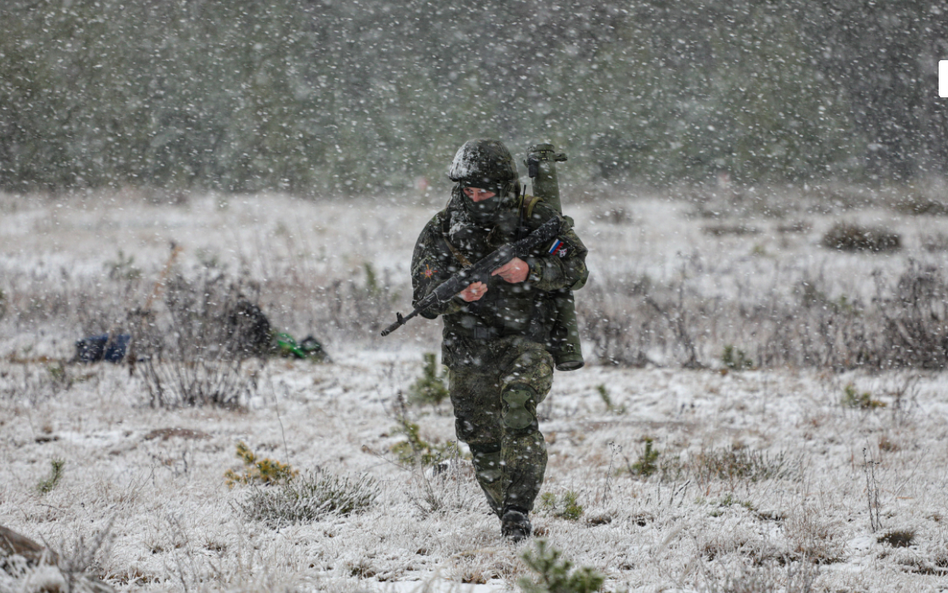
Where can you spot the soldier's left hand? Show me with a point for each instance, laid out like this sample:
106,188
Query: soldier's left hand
514,271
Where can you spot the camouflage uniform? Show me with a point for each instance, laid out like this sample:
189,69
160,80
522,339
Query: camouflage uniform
496,348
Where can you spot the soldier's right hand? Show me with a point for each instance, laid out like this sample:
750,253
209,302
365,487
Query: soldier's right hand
474,292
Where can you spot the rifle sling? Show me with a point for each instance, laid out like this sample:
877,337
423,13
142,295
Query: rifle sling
457,254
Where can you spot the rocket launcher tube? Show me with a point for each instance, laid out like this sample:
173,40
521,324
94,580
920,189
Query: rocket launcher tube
541,166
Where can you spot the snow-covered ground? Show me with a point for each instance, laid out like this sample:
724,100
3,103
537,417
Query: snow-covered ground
822,483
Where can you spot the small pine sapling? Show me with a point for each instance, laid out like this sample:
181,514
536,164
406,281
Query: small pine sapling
554,575
259,471
607,400
565,507
735,359
646,466
860,401
430,387
417,450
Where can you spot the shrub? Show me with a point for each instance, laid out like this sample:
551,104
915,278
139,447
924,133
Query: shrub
905,324
430,387
193,353
735,359
915,320
310,497
555,576
852,237
259,471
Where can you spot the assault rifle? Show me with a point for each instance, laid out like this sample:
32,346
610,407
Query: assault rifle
480,272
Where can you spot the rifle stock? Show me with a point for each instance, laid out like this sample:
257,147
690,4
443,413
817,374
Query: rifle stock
480,271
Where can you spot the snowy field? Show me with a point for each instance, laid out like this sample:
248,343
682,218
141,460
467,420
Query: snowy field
765,480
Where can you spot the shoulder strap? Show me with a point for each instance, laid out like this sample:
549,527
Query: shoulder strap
527,204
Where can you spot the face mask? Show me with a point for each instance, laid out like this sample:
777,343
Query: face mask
482,212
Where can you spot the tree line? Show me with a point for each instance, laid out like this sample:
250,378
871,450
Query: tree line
313,96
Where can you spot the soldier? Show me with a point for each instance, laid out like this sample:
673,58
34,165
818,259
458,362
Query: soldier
497,335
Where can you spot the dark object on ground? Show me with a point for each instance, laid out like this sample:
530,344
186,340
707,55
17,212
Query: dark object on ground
308,348
102,347
515,525
249,329
14,544
20,556
852,237
251,334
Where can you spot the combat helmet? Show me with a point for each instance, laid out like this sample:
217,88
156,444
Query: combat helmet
486,164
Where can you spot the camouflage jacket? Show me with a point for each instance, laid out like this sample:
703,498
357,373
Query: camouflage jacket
451,241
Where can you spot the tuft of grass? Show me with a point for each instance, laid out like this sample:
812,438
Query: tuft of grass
860,401
616,215
920,206
258,471
932,243
730,500
565,507
56,473
738,230
310,497
888,445
852,237
734,464
430,387
555,575
899,538
58,375
735,359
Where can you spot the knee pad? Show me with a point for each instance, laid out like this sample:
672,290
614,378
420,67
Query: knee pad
533,370
520,407
488,465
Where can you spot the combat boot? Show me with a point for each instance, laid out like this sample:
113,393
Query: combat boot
515,524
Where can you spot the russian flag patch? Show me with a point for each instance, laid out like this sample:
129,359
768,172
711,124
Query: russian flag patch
558,248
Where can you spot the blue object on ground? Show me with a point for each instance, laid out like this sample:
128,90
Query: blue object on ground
101,347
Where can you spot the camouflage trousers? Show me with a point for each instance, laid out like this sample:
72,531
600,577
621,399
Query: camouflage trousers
495,408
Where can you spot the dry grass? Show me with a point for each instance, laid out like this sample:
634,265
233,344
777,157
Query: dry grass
762,486
852,237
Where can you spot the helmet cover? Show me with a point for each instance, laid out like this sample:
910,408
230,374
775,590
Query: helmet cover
486,164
